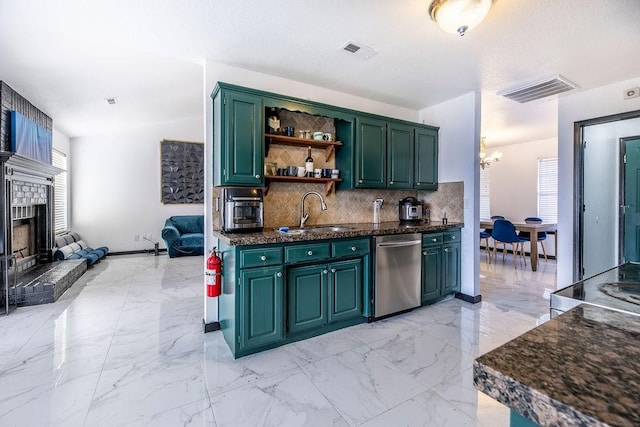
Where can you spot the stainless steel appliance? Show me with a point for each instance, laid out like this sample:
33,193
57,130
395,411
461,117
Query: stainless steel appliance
397,273
242,209
410,209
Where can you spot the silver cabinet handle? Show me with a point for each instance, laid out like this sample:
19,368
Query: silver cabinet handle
453,237
434,240
310,253
279,274
390,182
424,253
446,250
359,181
258,176
324,272
263,258
333,270
353,248
417,183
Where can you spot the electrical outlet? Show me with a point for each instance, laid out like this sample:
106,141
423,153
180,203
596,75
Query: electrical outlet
136,238
633,92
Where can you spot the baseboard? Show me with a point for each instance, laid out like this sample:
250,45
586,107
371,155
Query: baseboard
509,251
210,327
468,298
137,252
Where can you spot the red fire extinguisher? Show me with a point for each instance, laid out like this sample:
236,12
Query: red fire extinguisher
214,274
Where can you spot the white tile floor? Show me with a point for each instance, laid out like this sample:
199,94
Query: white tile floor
124,346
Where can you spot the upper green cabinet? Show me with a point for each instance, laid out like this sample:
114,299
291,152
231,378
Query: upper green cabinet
426,159
400,156
370,153
238,139
395,155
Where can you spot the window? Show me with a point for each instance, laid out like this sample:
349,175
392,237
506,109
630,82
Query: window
485,195
59,160
548,189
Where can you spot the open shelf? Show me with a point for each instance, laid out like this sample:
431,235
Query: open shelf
329,183
329,146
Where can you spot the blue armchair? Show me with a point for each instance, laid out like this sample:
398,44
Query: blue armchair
184,235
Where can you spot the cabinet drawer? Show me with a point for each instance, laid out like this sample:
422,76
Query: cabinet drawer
432,239
302,253
451,236
350,248
260,257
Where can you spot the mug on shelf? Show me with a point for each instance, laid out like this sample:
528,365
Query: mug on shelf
317,173
318,136
282,171
335,173
327,136
302,171
292,171
326,173
289,131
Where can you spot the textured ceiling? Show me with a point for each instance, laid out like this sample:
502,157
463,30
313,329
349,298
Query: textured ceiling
66,56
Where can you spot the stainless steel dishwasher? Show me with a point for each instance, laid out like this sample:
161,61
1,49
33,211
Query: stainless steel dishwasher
397,273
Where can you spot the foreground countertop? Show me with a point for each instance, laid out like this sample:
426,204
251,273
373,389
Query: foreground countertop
269,235
580,368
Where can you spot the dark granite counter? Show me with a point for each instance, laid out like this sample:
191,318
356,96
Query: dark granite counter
580,368
269,236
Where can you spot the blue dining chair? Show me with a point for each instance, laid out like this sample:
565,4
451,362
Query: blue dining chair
542,235
505,232
484,235
488,230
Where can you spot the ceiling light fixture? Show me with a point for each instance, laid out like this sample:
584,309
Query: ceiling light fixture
459,16
487,160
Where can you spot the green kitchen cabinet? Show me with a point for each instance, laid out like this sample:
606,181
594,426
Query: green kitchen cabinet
441,264
238,139
323,294
345,290
426,159
370,153
431,273
451,267
307,297
261,295
400,156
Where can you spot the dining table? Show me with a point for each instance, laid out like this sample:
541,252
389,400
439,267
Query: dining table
533,229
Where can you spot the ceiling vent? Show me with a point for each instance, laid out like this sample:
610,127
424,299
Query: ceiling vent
359,50
111,101
539,89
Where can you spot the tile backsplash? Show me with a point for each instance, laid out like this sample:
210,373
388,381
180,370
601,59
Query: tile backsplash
282,204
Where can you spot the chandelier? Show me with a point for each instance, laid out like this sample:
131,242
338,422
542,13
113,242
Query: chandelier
487,160
458,16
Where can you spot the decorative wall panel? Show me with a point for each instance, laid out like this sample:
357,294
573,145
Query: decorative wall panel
182,166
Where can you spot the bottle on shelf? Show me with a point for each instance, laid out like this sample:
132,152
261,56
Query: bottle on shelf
308,164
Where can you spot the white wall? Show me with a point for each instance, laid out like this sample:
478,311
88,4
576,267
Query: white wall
514,181
62,143
459,145
599,102
115,184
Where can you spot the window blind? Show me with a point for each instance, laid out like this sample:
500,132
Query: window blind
548,189
485,194
60,205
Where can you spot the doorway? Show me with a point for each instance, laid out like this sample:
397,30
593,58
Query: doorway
630,199
598,196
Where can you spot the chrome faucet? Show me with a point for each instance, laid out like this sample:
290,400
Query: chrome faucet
304,217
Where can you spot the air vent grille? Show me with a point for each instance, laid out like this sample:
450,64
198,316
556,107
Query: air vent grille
358,50
352,48
111,101
539,89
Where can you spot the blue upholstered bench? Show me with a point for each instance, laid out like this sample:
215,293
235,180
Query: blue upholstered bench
71,246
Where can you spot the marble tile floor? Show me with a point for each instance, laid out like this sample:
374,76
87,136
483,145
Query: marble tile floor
124,347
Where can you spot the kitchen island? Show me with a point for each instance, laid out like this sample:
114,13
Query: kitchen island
580,368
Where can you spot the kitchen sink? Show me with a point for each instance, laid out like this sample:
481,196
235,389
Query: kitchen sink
316,229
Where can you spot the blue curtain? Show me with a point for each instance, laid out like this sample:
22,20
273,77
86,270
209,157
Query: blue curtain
30,140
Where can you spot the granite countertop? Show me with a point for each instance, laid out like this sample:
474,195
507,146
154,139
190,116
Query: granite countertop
580,368
269,235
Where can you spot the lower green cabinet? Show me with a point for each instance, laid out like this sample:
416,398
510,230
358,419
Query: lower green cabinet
441,264
261,294
307,297
322,294
345,290
431,273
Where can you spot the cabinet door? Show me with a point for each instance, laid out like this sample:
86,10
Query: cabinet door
345,290
370,148
431,273
426,159
451,268
307,297
261,293
242,151
400,154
